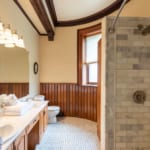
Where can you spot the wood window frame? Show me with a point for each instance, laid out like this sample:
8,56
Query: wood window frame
87,74
81,35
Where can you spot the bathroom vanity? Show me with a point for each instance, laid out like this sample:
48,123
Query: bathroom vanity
29,128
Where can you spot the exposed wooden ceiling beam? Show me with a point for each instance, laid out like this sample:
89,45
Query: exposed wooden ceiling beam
20,7
52,11
41,13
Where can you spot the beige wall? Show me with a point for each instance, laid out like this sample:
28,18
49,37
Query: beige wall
58,59
11,14
14,65
136,8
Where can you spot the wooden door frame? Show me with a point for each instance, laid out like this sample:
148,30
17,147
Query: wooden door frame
99,91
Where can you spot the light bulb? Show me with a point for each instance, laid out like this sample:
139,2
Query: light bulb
1,26
10,45
7,32
1,29
15,37
20,43
9,38
2,41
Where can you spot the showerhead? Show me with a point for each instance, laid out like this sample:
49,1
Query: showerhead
111,30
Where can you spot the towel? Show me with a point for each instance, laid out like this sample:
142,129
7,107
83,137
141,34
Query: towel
18,109
8,99
11,113
18,106
39,98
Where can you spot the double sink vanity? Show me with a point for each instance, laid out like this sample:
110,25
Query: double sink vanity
17,131
25,131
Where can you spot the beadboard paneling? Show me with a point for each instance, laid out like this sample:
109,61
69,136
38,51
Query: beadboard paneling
19,89
74,100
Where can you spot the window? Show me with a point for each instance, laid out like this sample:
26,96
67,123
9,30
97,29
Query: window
88,55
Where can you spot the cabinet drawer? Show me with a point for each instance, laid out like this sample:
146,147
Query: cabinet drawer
32,124
10,147
20,142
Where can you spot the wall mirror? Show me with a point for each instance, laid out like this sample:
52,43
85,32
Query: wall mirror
14,71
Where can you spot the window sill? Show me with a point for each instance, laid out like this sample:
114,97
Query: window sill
90,85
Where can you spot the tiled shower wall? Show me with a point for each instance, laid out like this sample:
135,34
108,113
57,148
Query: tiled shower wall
128,70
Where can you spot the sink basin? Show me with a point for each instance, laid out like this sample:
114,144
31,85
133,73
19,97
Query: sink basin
7,131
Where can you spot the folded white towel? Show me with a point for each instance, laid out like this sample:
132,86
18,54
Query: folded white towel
18,106
8,99
19,109
2,95
12,96
11,113
39,98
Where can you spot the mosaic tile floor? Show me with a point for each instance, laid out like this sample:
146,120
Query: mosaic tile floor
70,134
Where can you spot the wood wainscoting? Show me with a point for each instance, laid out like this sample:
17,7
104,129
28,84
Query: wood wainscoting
19,89
74,100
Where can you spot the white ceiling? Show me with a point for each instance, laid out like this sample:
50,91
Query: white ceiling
66,10
76,9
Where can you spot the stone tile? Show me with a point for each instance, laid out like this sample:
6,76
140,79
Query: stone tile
132,127
128,57
70,133
126,139
122,37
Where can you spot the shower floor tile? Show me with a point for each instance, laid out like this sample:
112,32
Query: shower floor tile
70,134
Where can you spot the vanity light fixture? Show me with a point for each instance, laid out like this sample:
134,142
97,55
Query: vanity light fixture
1,27
7,32
9,45
20,42
15,36
1,33
10,38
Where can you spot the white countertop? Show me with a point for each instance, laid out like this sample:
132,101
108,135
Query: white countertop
21,122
